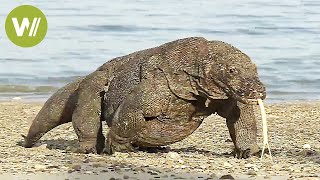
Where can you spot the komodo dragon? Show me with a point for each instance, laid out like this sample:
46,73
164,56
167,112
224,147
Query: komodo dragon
158,96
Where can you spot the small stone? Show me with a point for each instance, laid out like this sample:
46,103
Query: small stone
117,168
139,169
51,166
87,160
249,165
203,166
173,156
39,167
306,146
70,171
104,170
155,170
228,176
296,171
252,172
125,177
76,167
213,176
227,165
276,167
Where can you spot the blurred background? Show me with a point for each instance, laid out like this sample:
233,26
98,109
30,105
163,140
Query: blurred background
281,37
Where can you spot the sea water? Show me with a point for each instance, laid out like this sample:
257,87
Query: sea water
281,37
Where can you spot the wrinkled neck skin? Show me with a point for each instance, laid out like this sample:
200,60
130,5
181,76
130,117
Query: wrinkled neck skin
211,92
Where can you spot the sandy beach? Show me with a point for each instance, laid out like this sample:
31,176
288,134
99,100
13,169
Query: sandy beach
293,133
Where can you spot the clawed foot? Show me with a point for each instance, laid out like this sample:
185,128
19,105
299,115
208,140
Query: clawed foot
118,144
87,148
112,148
92,145
244,154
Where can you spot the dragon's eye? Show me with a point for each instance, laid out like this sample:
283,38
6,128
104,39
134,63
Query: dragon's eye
232,70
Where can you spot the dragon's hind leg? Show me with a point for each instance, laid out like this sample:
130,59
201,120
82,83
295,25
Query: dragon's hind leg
115,143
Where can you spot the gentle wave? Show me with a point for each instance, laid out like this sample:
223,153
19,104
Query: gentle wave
282,38
27,89
120,28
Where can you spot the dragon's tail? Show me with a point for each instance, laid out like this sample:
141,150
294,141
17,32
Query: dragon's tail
56,111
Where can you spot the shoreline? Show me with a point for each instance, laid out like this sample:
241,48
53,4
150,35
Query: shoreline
205,153
42,99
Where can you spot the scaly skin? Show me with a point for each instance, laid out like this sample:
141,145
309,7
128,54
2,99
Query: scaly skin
242,126
168,102
57,110
156,97
80,103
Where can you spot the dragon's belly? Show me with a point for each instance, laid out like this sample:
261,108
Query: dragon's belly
155,133
178,122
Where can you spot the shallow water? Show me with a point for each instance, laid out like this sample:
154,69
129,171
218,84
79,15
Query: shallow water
282,38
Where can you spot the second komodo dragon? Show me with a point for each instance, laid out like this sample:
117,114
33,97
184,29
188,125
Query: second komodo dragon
158,96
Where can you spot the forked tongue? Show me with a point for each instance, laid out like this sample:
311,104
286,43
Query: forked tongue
264,128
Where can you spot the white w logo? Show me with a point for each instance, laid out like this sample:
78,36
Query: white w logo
25,25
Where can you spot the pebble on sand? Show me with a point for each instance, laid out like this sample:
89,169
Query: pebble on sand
306,146
173,155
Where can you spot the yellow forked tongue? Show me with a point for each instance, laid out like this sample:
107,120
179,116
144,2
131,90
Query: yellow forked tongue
264,128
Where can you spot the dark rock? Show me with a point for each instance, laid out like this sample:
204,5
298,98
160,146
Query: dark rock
53,167
70,171
76,167
228,176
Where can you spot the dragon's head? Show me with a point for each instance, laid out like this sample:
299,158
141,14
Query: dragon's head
232,72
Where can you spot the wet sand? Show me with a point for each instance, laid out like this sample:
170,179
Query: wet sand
293,134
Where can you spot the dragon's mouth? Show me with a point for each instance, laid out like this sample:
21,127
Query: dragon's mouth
252,99
231,92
